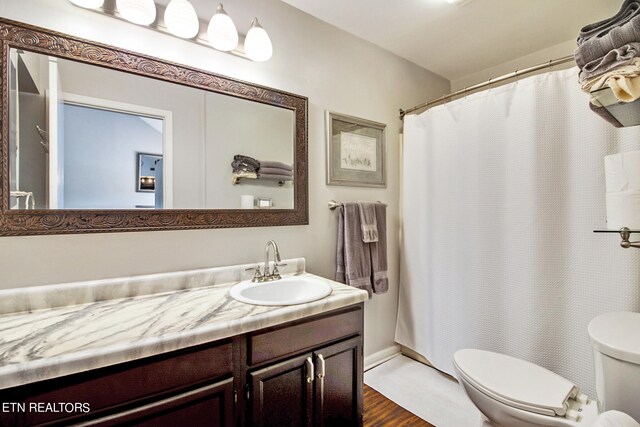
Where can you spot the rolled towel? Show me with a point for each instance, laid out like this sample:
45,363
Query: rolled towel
279,165
625,56
596,48
275,171
628,10
273,177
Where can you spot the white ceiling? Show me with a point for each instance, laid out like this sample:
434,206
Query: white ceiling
455,41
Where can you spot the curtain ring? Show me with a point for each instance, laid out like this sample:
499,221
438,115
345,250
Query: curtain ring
490,87
516,76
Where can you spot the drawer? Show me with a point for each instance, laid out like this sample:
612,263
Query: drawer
273,343
112,387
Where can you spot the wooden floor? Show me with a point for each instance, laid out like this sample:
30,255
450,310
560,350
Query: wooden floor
380,411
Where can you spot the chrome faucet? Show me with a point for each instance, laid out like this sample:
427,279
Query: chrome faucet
274,275
266,275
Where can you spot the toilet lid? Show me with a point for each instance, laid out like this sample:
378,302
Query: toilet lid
617,335
515,382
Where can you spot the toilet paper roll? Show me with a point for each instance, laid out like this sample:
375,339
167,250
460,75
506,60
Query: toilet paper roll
623,210
622,171
246,202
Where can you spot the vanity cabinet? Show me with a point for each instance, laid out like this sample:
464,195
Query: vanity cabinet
309,373
303,373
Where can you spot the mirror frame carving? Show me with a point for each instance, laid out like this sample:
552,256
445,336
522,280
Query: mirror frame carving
39,222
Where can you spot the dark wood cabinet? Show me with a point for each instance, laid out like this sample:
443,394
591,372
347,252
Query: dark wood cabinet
313,373
283,394
303,373
338,384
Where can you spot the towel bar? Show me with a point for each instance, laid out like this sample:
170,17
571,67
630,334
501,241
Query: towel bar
333,204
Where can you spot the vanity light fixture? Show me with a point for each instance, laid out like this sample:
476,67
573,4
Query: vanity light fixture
89,4
141,12
222,31
181,19
258,45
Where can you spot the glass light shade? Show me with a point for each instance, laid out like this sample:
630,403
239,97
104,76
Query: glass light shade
257,44
222,32
181,19
90,4
141,12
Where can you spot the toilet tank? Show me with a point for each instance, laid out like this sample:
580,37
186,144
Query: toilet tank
615,338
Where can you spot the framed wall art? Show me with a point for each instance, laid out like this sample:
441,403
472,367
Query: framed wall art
356,151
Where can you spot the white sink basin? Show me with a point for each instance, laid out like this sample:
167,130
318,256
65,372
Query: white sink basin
286,291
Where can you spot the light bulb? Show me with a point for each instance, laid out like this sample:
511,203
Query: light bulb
141,12
222,32
257,45
181,19
90,4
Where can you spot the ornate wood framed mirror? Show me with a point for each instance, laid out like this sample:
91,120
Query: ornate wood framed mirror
99,139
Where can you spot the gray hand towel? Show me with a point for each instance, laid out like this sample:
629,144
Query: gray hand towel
596,48
628,10
368,222
279,165
379,252
353,263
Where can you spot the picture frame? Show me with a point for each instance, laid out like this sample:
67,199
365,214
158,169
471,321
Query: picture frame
146,177
356,151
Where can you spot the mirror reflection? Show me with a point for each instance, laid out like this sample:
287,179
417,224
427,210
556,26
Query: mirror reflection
87,137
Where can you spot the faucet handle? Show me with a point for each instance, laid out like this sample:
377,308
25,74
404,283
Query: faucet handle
275,273
257,275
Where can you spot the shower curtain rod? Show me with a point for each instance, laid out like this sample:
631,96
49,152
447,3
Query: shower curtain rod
515,74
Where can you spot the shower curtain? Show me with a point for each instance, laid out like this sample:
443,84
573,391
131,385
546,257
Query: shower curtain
501,193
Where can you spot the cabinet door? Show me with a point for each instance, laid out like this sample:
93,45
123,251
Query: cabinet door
282,394
208,406
338,384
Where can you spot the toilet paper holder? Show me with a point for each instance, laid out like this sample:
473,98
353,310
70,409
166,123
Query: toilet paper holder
625,235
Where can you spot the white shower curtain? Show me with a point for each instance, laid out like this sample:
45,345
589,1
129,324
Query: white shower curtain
501,193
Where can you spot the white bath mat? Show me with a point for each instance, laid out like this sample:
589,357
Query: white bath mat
424,391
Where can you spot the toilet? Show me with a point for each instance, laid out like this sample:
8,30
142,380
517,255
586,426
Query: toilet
512,392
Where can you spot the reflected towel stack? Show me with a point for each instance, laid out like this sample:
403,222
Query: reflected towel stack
622,174
275,171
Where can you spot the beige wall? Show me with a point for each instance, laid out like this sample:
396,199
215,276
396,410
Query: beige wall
529,60
336,71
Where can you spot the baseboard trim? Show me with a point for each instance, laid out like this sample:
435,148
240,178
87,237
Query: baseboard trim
381,356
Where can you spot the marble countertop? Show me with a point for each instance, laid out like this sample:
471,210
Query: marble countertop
119,320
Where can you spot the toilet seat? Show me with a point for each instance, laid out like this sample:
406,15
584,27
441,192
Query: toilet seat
515,382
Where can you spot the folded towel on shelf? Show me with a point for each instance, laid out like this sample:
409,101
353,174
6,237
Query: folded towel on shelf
368,222
596,48
275,171
628,10
359,264
274,177
278,165
625,87
615,60
246,175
